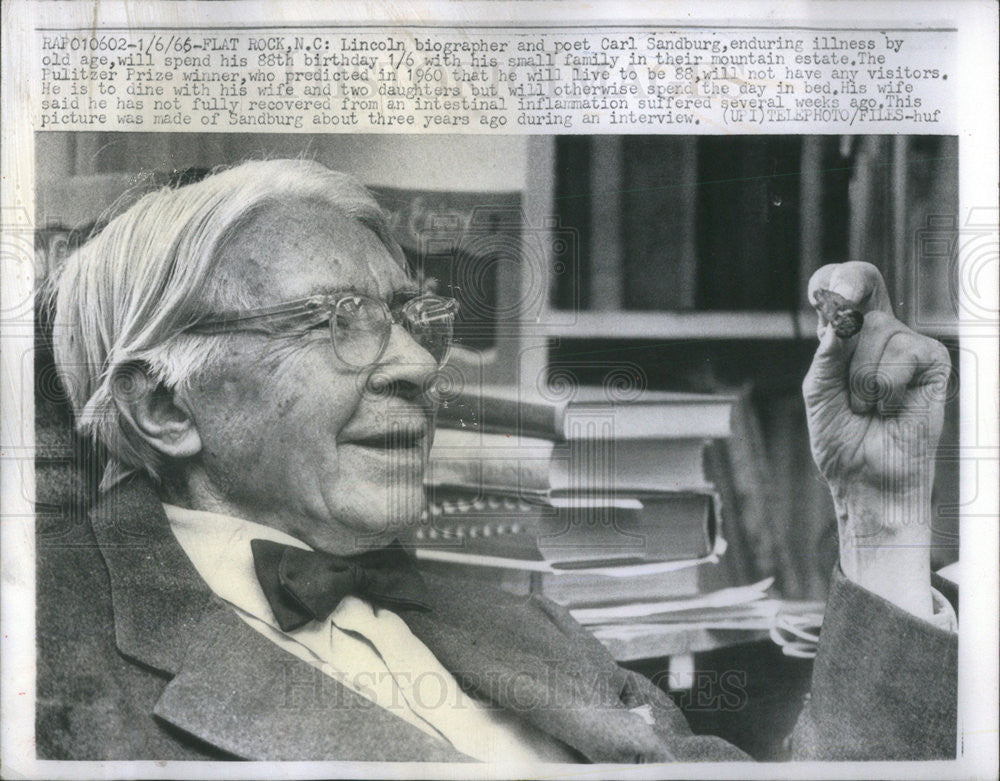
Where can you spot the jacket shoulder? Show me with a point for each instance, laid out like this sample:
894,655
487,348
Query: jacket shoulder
92,703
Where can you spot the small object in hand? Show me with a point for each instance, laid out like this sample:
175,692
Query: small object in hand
841,313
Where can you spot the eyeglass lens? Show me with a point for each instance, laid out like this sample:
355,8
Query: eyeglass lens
430,322
361,329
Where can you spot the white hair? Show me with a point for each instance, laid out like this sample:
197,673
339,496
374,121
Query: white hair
123,298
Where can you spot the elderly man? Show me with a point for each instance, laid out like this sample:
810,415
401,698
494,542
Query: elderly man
254,356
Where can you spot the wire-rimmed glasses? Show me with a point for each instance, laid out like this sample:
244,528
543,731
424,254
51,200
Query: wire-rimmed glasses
360,326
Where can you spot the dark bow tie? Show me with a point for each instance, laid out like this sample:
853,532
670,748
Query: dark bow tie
302,585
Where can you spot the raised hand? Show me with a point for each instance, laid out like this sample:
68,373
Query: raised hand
875,407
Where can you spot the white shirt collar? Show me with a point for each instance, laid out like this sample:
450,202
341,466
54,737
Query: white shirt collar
219,548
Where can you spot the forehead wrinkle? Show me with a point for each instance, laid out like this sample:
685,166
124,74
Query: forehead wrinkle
382,267
333,251
364,262
350,274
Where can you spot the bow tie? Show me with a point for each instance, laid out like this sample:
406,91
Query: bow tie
302,586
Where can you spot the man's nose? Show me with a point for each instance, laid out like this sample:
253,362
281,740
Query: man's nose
405,368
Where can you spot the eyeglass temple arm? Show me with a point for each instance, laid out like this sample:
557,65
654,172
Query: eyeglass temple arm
313,308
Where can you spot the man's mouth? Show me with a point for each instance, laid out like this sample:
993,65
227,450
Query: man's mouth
395,439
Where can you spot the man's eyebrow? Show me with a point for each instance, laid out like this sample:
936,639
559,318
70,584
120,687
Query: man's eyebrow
391,297
334,290
406,289
401,295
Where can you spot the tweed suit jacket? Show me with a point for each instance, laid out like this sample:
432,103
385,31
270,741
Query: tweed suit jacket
137,659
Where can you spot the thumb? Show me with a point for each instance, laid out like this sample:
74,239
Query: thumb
856,282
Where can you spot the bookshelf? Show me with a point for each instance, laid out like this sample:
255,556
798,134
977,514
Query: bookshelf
687,325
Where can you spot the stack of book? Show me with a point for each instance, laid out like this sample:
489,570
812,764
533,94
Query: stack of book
593,502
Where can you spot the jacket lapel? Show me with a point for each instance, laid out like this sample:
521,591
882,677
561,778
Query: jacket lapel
157,595
239,691
231,687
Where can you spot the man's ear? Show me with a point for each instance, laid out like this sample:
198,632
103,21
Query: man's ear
161,417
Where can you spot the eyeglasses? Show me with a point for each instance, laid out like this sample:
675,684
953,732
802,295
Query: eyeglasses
360,326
